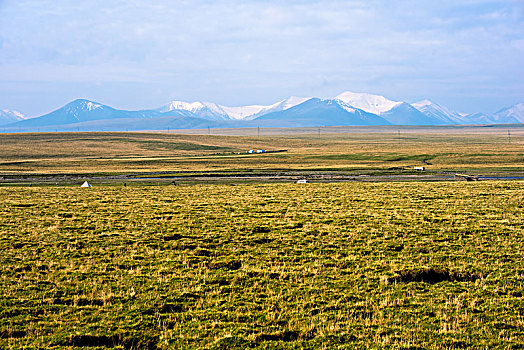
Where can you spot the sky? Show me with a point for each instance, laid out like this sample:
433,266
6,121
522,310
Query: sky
467,55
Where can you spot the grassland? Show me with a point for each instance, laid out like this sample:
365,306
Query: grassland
237,264
353,265
351,151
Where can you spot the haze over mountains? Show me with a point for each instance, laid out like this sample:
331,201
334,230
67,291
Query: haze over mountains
348,108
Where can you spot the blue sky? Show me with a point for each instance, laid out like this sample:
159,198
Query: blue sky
465,54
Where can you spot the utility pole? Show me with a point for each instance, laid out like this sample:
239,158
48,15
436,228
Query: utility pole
168,129
509,137
399,136
208,130
258,131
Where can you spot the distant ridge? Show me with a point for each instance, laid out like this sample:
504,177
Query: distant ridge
82,110
347,108
8,116
316,111
439,112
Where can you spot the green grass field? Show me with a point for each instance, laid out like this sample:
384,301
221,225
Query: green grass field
353,265
249,264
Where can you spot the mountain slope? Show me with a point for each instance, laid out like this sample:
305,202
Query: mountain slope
405,114
346,109
510,114
202,110
489,118
434,110
367,102
212,111
81,111
395,112
317,112
252,112
8,116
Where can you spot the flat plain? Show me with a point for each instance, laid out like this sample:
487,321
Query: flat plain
483,150
225,265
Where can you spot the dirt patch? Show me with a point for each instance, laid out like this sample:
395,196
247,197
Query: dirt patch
432,276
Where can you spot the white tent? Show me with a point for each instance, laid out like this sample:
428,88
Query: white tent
86,184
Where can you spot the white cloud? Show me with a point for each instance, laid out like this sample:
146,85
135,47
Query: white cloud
400,48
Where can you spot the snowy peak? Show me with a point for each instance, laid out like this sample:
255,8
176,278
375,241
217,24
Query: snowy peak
367,102
8,116
437,111
79,111
515,112
252,112
348,108
316,111
243,112
84,105
424,103
208,110
193,107
13,113
80,106
292,102
205,110
395,112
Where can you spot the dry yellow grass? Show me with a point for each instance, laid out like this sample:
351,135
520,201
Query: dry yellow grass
475,149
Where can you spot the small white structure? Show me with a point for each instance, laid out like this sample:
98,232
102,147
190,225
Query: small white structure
420,168
261,151
86,184
251,151
302,181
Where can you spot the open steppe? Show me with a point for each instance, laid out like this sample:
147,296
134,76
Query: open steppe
314,151
230,263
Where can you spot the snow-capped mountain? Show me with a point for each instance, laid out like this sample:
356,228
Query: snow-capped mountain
81,111
437,111
204,110
320,112
395,112
370,103
212,111
8,116
512,114
509,115
347,108
254,111
479,118
489,118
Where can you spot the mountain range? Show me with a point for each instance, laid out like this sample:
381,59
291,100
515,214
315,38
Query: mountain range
348,108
